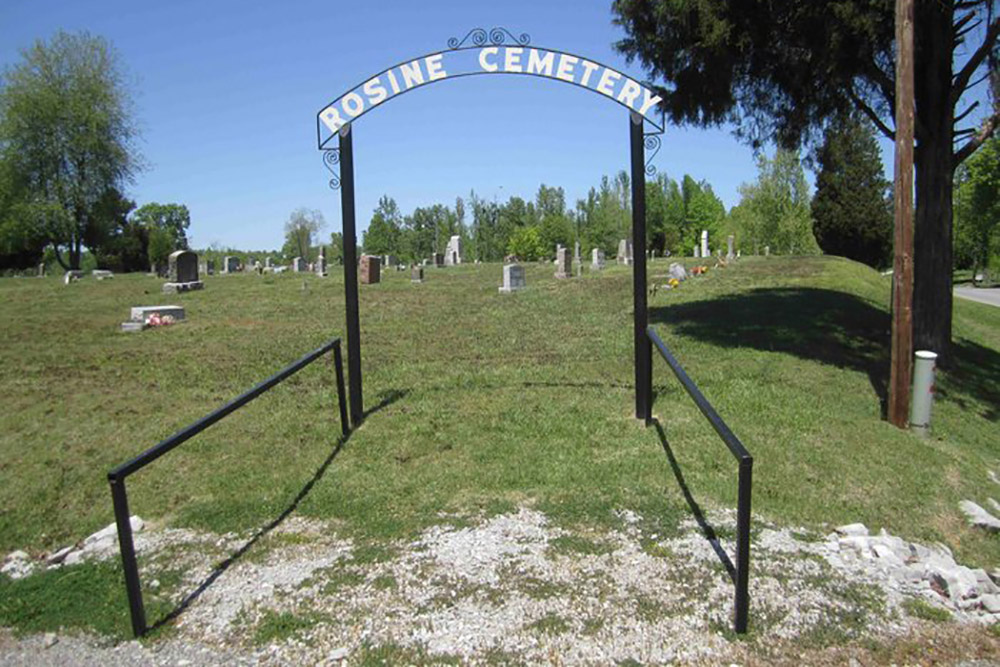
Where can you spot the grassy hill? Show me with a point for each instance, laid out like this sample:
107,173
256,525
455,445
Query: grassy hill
480,402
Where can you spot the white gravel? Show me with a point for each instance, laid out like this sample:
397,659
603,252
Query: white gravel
516,586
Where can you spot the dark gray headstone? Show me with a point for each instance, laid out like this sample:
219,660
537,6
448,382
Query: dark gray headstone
183,266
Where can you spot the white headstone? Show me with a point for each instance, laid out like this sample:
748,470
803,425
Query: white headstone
563,269
597,259
704,244
453,253
513,278
625,252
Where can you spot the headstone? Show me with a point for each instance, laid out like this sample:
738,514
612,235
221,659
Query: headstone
210,267
563,268
416,274
625,252
321,262
730,241
72,276
101,274
298,265
230,264
695,254
513,278
389,260
737,254
704,244
183,270
677,271
183,266
370,273
140,316
576,259
41,270
767,251
453,253
437,259
267,263
596,259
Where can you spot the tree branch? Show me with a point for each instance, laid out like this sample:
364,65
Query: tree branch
984,50
872,116
959,117
985,132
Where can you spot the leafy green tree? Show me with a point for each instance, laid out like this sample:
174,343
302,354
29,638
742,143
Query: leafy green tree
554,222
852,210
776,206
337,247
977,207
66,128
528,244
301,229
383,234
780,69
161,244
174,219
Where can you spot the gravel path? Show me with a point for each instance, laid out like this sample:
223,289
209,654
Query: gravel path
516,588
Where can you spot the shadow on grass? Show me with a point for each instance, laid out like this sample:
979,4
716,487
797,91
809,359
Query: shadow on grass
820,325
832,328
973,376
706,528
387,399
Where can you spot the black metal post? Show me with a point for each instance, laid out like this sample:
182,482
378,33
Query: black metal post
742,608
351,272
643,351
120,500
338,362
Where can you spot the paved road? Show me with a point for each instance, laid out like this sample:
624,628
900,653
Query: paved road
989,295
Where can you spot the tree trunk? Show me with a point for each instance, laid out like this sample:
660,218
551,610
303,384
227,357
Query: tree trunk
935,169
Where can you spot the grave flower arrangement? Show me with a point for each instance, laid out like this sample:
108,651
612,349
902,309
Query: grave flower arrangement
157,320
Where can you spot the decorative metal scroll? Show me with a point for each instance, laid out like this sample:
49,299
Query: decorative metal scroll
481,51
496,36
331,160
652,142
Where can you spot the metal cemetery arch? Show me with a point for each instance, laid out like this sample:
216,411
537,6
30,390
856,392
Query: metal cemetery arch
480,52
500,52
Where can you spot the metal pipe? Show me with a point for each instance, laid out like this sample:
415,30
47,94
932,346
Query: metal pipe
923,392
158,450
728,437
119,499
741,609
643,357
346,135
338,362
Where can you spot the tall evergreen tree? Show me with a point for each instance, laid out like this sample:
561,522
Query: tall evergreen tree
780,69
852,210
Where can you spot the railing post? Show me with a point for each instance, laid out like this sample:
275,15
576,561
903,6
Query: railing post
643,353
742,608
338,362
119,498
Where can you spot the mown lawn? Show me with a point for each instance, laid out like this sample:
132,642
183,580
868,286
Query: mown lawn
478,402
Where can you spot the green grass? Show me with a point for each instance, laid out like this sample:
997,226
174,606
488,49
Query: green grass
481,402
920,609
274,627
89,595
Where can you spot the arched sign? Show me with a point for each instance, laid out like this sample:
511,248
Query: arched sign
479,52
496,51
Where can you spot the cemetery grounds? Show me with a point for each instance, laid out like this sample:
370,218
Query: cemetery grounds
500,504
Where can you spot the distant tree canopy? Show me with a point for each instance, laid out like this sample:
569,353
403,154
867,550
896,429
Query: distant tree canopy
977,210
779,70
67,147
301,229
774,210
852,208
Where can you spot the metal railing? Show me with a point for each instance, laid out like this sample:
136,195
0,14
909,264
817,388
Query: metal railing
741,575
116,477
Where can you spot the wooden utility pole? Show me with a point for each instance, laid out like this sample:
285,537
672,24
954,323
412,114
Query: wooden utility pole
900,376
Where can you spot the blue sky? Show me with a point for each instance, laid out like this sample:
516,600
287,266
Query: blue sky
227,95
